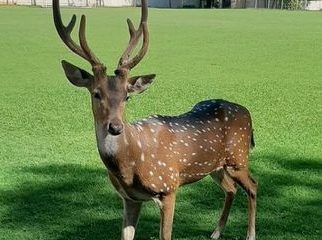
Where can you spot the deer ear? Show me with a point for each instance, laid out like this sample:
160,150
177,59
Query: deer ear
139,84
77,76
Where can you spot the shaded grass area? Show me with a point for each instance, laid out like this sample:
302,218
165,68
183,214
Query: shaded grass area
74,203
52,183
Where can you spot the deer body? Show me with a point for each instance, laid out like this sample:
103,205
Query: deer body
150,159
161,153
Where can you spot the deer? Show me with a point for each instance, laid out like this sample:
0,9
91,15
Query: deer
151,158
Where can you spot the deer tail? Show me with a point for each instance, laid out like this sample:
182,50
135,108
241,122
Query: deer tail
252,140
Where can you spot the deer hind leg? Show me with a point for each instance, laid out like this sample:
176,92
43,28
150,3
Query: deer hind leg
130,218
229,187
242,177
167,205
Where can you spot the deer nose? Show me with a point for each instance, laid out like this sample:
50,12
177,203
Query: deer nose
115,128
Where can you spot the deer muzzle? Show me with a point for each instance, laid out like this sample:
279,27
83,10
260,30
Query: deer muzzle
115,127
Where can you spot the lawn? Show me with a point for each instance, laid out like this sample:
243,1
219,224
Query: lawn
52,182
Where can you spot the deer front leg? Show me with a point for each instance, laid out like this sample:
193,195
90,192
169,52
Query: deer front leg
167,204
130,218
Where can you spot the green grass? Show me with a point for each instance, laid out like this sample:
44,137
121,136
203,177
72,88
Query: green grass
52,182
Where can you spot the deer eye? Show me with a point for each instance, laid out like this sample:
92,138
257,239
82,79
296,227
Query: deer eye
97,95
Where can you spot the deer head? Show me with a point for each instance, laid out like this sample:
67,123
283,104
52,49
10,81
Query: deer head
108,92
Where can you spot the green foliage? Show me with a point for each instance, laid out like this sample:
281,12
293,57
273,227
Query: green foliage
295,4
52,183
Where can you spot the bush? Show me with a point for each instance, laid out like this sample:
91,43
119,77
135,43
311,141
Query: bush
295,4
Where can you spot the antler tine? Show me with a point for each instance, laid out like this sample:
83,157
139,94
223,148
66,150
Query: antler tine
125,61
131,28
135,61
144,11
82,40
71,24
64,33
134,38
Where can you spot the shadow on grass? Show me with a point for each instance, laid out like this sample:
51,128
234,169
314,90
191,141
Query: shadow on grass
56,197
74,202
289,199
70,202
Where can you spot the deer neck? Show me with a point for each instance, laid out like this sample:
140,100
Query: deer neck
118,152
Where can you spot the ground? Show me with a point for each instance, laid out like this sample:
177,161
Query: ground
52,183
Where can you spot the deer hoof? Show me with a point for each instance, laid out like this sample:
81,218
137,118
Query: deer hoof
215,234
250,238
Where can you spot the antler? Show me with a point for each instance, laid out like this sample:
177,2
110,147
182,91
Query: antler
64,32
125,61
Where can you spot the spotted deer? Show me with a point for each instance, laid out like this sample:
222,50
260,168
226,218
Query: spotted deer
151,158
